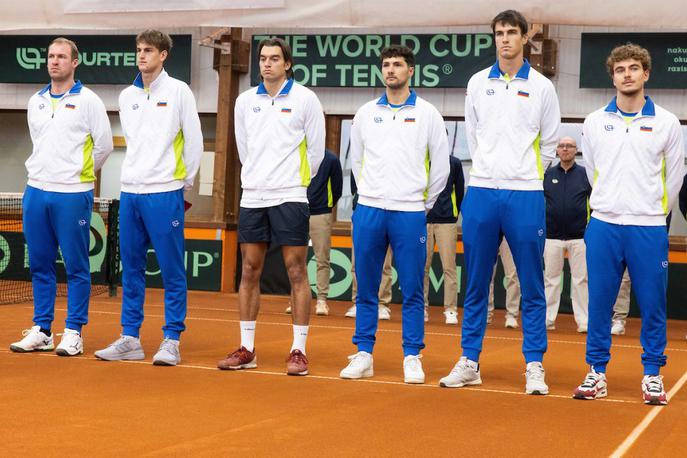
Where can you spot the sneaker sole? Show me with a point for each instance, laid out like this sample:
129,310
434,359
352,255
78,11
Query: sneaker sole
655,402
586,397
296,374
414,381
63,352
17,349
128,357
251,365
322,313
459,385
164,363
537,392
349,316
366,374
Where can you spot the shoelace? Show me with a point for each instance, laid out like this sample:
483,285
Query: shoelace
356,360
240,353
414,363
591,379
535,372
654,384
168,346
297,357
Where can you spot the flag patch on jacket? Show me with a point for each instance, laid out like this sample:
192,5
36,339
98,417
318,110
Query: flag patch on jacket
70,106
409,120
286,110
646,129
161,104
523,94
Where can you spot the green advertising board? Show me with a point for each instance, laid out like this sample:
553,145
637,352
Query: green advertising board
441,60
668,58
104,59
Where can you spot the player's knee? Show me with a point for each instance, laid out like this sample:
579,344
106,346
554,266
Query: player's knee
296,272
250,272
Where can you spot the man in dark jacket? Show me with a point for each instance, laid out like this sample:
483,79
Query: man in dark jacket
567,192
442,228
324,192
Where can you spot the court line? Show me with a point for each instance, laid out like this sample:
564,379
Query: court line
381,329
331,378
644,424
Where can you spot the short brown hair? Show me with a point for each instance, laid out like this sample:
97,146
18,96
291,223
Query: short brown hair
510,17
398,51
285,50
70,43
160,40
628,51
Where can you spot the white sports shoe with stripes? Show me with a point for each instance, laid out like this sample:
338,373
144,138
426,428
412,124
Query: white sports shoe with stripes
71,343
34,340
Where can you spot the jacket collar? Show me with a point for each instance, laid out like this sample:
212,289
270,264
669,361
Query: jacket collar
76,89
410,101
285,88
523,73
649,109
138,82
560,167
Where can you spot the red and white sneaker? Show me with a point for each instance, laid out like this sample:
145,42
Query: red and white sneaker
239,359
296,363
652,389
593,386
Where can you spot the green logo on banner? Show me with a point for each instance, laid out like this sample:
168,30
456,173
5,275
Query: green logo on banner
341,261
97,245
5,254
30,58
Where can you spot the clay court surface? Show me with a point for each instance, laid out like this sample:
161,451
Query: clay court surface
54,406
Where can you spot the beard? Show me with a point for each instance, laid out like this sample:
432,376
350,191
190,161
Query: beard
398,84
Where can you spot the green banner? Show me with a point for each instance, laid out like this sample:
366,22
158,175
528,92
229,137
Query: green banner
441,60
104,59
668,58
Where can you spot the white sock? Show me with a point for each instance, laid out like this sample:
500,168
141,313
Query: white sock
300,335
248,334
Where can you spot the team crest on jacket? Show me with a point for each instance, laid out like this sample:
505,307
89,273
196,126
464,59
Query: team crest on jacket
134,106
489,92
646,129
378,119
286,110
608,127
70,106
41,106
256,109
161,104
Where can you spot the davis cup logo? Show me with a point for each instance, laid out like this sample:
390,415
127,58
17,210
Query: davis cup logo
4,254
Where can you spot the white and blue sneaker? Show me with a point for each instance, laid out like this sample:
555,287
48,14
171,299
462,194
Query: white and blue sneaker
126,348
34,340
71,343
168,354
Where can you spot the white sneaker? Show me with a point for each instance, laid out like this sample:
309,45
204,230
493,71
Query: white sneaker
490,317
451,317
168,354
34,340
582,329
618,328
350,313
511,322
384,313
412,369
71,343
426,315
360,366
465,372
321,308
126,348
288,310
550,325
534,377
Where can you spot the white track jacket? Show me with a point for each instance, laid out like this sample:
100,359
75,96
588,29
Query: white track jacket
511,127
280,142
636,170
70,143
399,158
164,142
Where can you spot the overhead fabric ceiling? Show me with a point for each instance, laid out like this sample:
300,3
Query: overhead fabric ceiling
129,14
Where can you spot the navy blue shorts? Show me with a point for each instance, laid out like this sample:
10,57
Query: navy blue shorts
286,224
